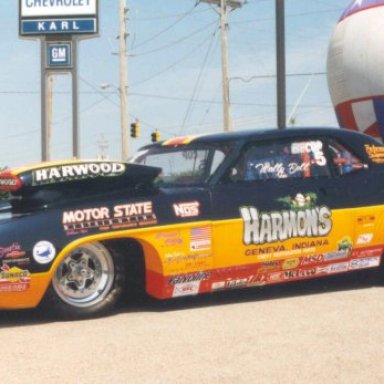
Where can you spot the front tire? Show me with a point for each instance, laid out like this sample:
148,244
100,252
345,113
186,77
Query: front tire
87,282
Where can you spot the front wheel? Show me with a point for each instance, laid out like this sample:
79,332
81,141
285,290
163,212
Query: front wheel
87,282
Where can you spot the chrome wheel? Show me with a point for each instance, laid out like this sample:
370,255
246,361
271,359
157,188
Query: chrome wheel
85,276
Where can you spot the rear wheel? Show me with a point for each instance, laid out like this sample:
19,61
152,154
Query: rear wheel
87,282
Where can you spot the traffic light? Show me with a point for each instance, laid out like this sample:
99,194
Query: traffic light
155,136
135,127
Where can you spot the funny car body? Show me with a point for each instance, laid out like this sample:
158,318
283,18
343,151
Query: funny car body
191,215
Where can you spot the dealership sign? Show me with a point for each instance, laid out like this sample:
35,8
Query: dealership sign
49,8
59,55
54,26
47,17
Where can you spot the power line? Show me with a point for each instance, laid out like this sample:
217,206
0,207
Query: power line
196,48
171,16
189,109
169,45
16,135
287,16
154,37
106,95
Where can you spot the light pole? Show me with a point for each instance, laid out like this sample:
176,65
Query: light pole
280,64
123,89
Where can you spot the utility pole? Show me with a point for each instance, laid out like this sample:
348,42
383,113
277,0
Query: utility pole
123,88
49,114
280,64
103,146
225,6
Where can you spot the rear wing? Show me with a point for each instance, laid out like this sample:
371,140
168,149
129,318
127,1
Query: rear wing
48,182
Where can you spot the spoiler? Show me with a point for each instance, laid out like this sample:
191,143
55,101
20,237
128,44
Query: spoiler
73,174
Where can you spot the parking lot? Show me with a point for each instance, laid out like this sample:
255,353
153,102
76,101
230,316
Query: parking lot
310,332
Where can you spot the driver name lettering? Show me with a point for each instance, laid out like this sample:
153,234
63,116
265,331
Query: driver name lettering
280,170
261,228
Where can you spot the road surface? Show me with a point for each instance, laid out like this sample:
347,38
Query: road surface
310,332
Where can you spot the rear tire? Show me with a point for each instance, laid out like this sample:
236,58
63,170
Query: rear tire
87,282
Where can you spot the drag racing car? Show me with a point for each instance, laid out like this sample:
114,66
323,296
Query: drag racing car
191,215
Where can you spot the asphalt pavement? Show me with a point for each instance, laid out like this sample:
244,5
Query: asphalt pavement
329,330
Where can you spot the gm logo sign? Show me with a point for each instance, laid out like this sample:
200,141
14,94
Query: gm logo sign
59,55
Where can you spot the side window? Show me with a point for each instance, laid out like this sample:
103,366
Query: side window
343,160
293,159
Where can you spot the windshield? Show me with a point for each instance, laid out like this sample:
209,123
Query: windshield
181,166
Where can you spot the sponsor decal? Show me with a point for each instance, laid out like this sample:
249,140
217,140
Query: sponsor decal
257,281
80,171
218,285
198,276
230,284
300,201
170,238
11,182
375,251
364,238
8,250
181,140
180,257
275,276
375,153
333,268
299,273
366,221
310,260
13,274
186,289
14,279
268,266
345,244
190,209
291,264
368,262
261,228
104,218
240,282
313,148
329,256
44,252
13,254
294,274
200,238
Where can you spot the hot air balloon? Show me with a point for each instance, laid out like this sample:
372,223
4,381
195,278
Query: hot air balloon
356,67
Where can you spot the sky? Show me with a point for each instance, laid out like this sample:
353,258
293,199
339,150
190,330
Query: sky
174,75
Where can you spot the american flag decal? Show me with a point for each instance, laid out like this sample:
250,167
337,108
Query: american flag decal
200,238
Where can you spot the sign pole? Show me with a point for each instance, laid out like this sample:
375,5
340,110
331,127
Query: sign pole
75,103
44,130
59,26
